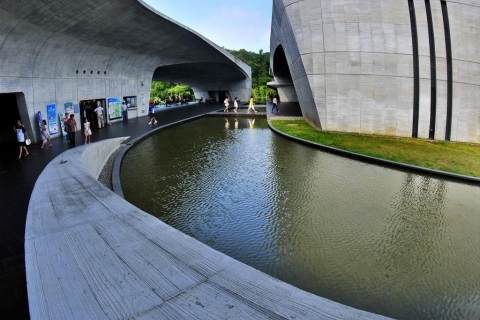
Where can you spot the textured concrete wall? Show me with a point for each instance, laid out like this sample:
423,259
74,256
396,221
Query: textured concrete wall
66,51
358,62
465,33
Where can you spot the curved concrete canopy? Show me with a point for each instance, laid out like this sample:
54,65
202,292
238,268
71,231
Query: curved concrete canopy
70,50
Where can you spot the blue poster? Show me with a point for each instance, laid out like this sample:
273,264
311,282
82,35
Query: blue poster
52,118
75,108
114,108
69,108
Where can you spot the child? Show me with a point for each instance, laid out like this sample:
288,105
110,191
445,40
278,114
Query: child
151,113
87,131
45,134
235,104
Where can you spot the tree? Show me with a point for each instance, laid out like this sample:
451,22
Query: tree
161,90
260,64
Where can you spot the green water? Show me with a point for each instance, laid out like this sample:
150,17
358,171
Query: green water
387,241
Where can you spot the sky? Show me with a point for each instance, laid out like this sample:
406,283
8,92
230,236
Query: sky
235,25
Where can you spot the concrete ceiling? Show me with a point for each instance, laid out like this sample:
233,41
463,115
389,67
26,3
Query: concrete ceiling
106,36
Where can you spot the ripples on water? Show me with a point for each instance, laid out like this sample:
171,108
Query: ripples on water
382,240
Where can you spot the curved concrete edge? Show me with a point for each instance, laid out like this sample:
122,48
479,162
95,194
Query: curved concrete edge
97,151
89,254
358,156
116,182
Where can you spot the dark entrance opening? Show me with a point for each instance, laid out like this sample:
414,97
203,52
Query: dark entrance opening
86,111
222,95
10,115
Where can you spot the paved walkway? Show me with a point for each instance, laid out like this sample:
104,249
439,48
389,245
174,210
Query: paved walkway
17,179
92,255
205,283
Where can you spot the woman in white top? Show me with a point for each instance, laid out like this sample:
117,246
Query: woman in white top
227,104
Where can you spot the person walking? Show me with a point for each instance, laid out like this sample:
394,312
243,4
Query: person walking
71,129
251,105
99,112
87,131
151,113
227,104
45,134
22,136
124,112
275,104
235,104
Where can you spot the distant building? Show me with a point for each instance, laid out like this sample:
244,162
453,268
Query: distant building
401,68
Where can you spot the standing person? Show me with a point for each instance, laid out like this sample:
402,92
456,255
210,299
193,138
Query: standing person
251,105
22,136
235,104
67,116
99,112
227,104
151,113
71,129
87,131
124,112
275,104
45,134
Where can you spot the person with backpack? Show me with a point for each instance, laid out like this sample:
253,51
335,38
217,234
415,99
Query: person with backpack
151,113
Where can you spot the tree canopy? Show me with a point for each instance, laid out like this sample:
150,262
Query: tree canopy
259,62
161,90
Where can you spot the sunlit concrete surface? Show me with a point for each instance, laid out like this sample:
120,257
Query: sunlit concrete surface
381,66
91,255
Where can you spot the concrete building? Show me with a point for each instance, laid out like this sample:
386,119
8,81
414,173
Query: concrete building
402,68
76,54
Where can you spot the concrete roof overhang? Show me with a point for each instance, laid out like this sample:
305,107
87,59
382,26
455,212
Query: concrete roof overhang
45,38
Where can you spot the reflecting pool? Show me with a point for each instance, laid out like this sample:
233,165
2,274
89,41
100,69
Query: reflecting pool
387,241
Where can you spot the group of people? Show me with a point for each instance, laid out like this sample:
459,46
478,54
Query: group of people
251,105
235,105
176,100
70,125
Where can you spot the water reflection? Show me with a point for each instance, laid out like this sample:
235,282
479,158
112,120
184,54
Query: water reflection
381,240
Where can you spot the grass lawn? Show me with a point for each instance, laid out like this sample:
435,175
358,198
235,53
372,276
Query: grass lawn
461,158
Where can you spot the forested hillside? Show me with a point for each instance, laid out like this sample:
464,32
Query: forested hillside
259,62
